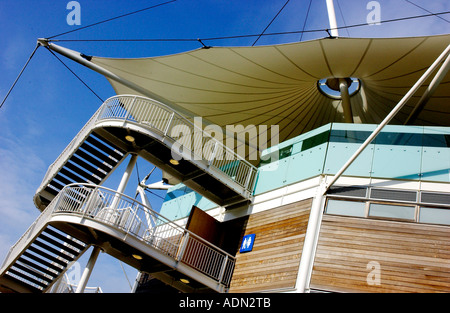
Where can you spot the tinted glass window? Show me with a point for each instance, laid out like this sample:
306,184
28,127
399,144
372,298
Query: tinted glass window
435,140
285,152
434,216
393,139
399,139
315,140
392,211
350,136
348,208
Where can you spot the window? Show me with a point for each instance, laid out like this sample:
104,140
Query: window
391,138
348,208
276,155
434,216
399,139
352,201
285,152
387,194
435,140
392,211
315,140
349,136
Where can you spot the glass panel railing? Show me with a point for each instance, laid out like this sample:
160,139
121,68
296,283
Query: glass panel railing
399,152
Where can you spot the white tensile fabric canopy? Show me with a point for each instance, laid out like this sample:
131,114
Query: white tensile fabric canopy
278,84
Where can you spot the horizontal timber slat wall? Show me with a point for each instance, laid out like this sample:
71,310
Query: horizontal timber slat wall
273,263
367,255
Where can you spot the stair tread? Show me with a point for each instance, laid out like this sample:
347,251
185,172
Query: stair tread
64,238
48,256
83,155
32,288
81,172
32,272
101,146
58,253
58,244
42,261
27,278
37,266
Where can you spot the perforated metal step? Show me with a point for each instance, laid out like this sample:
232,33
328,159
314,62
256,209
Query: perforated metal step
92,161
42,263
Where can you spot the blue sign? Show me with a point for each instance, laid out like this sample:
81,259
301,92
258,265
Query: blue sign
247,243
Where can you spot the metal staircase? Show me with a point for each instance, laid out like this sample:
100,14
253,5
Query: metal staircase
41,262
89,158
133,124
78,167
77,212
121,227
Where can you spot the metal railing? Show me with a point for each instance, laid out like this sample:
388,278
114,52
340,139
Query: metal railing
202,146
132,217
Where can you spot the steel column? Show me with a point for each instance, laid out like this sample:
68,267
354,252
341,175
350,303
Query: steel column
345,97
88,270
124,181
332,18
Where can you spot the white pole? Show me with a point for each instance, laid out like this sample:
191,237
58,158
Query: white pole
124,181
311,235
345,97
88,270
126,176
332,18
430,90
389,117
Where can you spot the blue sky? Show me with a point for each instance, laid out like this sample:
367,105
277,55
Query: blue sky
49,105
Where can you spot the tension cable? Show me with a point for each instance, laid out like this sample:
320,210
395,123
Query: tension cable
113,18
20,74
78,77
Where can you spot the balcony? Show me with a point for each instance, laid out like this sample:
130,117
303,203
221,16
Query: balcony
83,215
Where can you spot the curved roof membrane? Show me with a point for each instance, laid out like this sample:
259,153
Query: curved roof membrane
278,84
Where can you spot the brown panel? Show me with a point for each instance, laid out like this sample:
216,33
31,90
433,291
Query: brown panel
273,263
204,225
225,235
366,255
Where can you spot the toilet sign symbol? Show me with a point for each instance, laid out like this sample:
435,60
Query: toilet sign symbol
247,243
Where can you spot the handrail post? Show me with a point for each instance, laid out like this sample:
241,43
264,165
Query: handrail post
222,270
249,175
58,198
102,109
169,124
183,246
133,218
129,110
213,154
89,201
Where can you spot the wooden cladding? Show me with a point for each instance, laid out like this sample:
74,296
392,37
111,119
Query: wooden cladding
366,255
273,263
